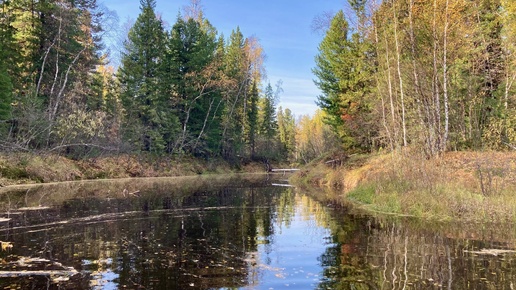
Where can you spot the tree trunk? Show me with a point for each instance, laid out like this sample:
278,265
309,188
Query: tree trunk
391,97
398,62
444,140
436,116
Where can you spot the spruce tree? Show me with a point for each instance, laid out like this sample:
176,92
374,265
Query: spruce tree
269,124
344,77
192,81
236,72
252,119
6,88
148,121
6,55
287,132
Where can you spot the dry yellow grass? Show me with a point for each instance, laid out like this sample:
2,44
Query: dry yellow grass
23,168
474,186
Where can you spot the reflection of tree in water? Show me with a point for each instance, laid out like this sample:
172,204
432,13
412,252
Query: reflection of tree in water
378,254
157,241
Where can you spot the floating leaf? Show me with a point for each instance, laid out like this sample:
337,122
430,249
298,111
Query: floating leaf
6,245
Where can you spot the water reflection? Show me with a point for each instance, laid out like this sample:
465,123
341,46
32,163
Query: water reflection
239,235
388,253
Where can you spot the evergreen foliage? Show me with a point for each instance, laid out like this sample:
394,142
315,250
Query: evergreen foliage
148,118
6,55
436,75
252,119
344,78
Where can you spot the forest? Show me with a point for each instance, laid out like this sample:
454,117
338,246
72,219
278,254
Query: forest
434,75
187,91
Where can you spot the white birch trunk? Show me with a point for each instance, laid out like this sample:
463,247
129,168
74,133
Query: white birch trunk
402,94
445,81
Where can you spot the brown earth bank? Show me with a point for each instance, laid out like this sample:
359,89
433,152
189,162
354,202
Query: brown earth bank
467,186
25,168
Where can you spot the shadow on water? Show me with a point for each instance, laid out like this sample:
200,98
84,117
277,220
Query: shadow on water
233,232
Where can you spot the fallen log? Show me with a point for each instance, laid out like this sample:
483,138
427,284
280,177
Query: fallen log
285,170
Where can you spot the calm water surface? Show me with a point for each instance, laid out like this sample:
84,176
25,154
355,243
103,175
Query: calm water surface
240,236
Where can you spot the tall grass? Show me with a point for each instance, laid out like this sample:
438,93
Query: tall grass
472,186
21,168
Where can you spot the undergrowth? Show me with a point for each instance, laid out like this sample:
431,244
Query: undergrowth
470,186
22,168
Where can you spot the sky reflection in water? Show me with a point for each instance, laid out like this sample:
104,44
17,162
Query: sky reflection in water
240,237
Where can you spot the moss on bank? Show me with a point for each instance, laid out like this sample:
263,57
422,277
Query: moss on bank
469,186
24,168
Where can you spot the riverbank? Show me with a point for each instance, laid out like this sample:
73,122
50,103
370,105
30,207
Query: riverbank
466,186
25,168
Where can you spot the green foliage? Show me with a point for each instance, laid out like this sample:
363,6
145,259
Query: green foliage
50,50
148,114
363,194
185,92
436,75
252,118
233,115
344,77
13,172
6,88
7,55
270,146
190,65
269,125
287,132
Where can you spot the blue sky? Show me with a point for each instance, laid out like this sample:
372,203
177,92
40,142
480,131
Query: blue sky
283,28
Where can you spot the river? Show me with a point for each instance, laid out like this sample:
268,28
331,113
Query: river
243,233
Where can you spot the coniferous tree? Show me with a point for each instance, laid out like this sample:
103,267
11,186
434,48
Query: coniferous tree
236,71
6,54
269,125
6,88
252,119
194,79
287,132
149,120
344,77
54,53
268,121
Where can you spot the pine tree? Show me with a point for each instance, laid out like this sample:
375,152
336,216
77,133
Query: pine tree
269,124
6,55
252,119
287,132
6,88
237,74
148,115
344,77
193,85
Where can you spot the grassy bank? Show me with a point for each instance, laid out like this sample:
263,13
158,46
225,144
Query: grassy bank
470,186
24,168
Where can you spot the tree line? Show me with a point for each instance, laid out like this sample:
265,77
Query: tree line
436,75
188,90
